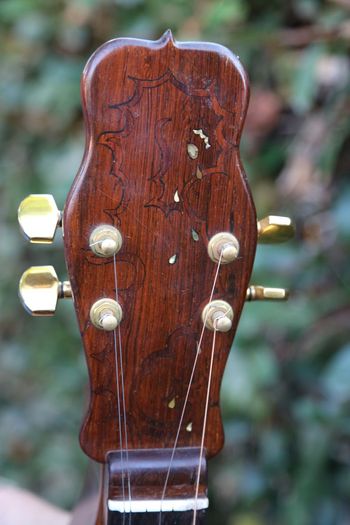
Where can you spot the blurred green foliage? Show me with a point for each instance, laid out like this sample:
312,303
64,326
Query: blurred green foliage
286,391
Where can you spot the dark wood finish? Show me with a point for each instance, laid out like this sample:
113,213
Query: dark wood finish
148,469
142,102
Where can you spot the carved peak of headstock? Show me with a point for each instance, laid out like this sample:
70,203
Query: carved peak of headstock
167,37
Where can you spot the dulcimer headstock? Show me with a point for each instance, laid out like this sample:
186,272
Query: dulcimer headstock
160,233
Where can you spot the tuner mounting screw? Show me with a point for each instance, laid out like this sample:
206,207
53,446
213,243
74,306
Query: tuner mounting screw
106,314
218,315
223,245
105,240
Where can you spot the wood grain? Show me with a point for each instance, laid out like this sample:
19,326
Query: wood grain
143,103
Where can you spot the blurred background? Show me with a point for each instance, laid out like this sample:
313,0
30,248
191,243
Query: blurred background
286,392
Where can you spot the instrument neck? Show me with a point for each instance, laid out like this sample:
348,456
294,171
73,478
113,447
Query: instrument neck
156,486
162,489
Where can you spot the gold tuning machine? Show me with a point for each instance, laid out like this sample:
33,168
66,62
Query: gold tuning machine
274,229
38,217
262,293
39,290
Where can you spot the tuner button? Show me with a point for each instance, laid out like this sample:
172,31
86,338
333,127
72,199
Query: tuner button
106,314
218,315
274,229
38,217
39,290
105,240
262,293
223,247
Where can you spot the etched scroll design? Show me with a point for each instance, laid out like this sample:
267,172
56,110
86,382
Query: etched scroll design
216,122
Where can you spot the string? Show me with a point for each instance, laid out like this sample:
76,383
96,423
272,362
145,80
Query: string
188,392
122,428
119,415
204,422
123,403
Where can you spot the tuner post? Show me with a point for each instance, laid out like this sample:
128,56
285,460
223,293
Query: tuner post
106,314
105,240
218,315
223,247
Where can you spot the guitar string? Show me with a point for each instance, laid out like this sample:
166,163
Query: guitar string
204,422
188,392
116,360
119,416
122,396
